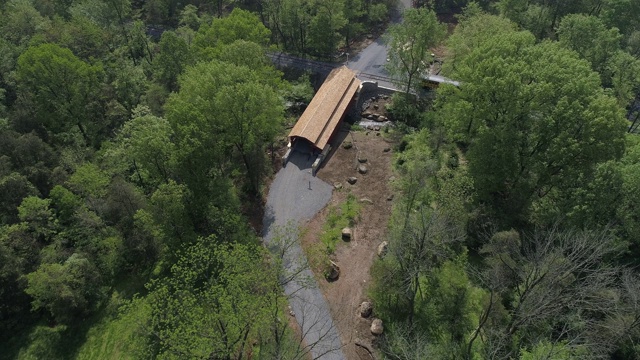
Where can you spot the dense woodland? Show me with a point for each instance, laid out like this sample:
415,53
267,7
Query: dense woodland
136,137
516,235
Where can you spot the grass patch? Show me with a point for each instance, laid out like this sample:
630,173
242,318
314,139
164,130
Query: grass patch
115,336
338,218
109,333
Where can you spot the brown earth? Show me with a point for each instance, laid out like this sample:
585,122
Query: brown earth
355,257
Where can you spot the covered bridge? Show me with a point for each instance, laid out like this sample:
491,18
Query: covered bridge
324,115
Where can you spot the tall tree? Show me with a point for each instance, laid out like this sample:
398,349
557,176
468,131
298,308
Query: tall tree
410,43
558,284
220,295
233,114
325,27
173,57
239,25
590,38
252,114
62,89
65,290
145,146
535,119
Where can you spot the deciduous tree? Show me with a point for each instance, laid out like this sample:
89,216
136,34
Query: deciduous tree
410,43
61,88
65,290
534,118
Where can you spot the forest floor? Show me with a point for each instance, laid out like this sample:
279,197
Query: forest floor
374,193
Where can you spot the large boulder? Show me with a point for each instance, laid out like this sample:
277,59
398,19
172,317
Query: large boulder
383,248
347,145
352,180
362,159
366,309
347,234
376,327
332,272
362,169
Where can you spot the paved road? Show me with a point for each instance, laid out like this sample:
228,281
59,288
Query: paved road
369,63
295,195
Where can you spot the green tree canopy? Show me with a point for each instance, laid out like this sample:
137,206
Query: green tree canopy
65,290
239,25
410,43
221,110
590,38
534,118
221,295
61,88
173,57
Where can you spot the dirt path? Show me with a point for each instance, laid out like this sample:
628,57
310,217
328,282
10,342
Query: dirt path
355,258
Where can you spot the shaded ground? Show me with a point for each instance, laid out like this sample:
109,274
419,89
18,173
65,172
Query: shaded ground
355,257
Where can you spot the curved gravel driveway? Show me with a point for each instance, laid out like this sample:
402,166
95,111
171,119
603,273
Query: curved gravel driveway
295,195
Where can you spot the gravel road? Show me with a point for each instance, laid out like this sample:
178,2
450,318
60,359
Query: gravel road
295,195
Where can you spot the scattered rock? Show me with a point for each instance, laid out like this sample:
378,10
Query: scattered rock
377,134
386,97
347,234
365,114
369,36
376,128
333,272
383,248
337,185
347,145
366,200
387,149
362,159
390,197
392,178
291,312
372,117
352,180
367,133
376,327
382,118
375,106
366,309
362,169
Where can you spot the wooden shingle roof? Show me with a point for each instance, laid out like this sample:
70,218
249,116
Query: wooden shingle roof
328,106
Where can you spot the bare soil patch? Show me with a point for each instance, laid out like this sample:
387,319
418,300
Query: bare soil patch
355,257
